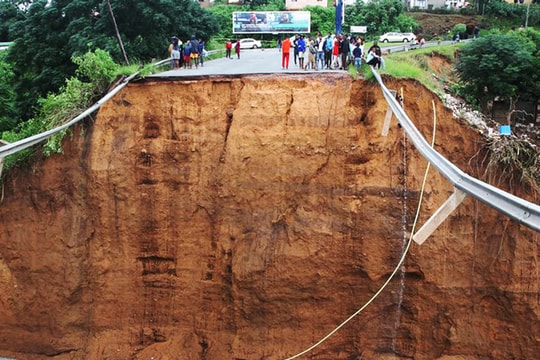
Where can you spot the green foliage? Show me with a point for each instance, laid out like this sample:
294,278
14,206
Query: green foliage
415,65
223,14
8,116
97,68
322,19
9,13
380,16
458,29
500,65
503,11
95,71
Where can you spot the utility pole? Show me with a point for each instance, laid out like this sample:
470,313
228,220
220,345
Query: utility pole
120,43
527,16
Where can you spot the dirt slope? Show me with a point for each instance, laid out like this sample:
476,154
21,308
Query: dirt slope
250,225
440,24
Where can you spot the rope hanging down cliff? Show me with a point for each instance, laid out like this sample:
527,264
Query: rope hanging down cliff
397,267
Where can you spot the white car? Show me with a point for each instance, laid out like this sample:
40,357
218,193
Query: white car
249,44
397,37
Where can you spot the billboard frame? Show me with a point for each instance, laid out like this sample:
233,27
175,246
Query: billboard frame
271,22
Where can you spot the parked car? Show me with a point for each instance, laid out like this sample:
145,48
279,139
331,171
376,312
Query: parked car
249,44
397,37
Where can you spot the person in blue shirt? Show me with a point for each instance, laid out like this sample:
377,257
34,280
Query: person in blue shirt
357,55
187,55
301,45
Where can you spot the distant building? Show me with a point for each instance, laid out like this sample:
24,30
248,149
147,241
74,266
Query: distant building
206,3
419,4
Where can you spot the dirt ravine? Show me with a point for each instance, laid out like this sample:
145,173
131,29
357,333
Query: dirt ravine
243,218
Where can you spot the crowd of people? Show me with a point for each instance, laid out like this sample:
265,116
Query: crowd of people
187,54
332,52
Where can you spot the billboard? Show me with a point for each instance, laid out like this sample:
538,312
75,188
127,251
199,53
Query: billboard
260,22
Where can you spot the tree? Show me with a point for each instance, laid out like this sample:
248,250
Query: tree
7,96
9,13
51,33
322,19
501,65
380,16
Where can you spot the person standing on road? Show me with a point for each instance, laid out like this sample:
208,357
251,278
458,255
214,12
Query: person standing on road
344,49
336,55
295,45
328,46
357,55
201,52
228,48
237,48
172,47
301,46
187,55
312,52
195,51
285,53
320,53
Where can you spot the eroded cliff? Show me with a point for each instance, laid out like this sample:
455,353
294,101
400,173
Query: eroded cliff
244,218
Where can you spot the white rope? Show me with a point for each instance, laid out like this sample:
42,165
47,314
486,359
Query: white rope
401,260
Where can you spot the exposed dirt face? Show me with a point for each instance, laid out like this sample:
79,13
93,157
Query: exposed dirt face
244,218
440,24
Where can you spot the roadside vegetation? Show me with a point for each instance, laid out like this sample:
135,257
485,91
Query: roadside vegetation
417,64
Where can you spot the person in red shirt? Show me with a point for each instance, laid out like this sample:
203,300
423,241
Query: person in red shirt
237,48
336,58
228,48
285,52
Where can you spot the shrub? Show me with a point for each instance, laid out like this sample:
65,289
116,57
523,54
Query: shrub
95,72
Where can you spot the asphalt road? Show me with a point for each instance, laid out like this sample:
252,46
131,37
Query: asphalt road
255,61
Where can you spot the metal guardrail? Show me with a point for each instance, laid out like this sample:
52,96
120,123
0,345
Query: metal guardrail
35,139
516,208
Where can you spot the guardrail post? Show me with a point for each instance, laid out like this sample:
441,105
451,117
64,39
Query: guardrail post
439,216
388,117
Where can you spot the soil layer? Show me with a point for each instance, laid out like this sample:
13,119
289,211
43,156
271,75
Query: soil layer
245,218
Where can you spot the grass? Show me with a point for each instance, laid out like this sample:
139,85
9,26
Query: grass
415,64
